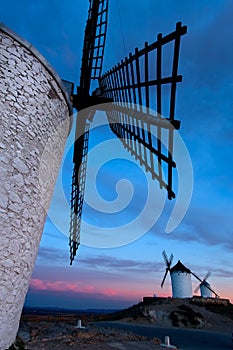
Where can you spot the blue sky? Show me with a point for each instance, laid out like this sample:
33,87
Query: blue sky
118,277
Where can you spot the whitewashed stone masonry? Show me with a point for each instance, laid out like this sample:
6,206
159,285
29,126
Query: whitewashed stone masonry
34,113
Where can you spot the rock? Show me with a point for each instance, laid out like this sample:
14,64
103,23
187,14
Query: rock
3,201
20,165
25,214
14,198
18,179
15,207
24,335
25,119
63,336
7,263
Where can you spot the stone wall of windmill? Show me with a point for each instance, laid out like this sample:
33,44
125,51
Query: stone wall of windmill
35,122
181,281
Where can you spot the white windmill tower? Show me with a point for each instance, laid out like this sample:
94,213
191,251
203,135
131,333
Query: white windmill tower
180,278
205,288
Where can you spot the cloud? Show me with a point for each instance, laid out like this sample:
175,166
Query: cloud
53,255
216,271
122,278
86,283
202,224
80,289
69,288
207,226
121,265
104,262
60,286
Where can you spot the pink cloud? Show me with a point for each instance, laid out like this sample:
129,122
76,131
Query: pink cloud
60,286
112,292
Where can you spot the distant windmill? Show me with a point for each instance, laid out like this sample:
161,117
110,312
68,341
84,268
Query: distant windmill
137,80
180,278
205,288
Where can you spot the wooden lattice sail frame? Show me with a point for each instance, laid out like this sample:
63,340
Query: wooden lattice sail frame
134,83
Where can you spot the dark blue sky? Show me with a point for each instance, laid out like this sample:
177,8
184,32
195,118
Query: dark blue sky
203,241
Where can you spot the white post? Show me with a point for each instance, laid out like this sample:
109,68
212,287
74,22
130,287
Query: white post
167,344
167,341
79,325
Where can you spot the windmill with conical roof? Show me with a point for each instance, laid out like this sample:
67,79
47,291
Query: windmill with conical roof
180,278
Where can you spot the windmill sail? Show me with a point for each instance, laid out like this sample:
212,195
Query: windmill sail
92,60
168,265
94,43
135,81
138,80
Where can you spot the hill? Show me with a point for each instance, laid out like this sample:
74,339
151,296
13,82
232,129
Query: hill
196,312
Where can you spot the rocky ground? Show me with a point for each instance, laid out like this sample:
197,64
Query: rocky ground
60,333
181,313
64,336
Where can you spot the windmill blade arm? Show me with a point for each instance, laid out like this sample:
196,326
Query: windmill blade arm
198,278
164,278
94,44
207,276
171,259
77,193
196,290
165,257
217,296
92,60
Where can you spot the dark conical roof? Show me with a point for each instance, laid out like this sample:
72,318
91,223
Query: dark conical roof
180,267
